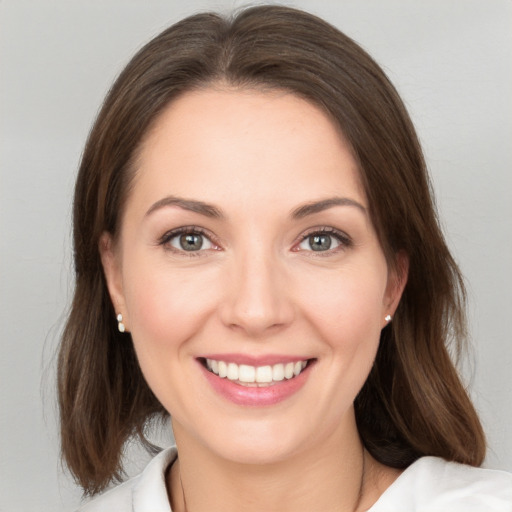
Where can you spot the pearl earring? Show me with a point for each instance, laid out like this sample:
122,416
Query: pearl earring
388,318
120,324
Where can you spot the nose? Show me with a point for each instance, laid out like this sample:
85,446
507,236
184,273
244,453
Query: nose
256,299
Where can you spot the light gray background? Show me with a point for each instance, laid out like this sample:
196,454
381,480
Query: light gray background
450,59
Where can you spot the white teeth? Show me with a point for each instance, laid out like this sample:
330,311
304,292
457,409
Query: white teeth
264,374
255,375
246,373
278,372
232,371
223,369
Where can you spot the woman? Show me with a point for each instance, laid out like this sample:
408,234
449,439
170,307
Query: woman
257,255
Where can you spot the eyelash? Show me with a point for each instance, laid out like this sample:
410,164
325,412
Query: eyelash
344,240
186,230
341,237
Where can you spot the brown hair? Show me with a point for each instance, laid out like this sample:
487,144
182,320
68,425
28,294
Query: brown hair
413,402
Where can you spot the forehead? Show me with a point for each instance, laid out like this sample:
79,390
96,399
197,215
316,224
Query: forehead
226,144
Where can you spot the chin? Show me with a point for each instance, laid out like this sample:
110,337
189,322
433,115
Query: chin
263,450
266,441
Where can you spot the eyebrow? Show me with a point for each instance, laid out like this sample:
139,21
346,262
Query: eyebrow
191,205
211,211
325,204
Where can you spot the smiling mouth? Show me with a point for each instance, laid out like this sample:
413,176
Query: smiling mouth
256,376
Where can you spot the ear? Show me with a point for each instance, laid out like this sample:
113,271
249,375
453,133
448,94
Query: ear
111,263
397,279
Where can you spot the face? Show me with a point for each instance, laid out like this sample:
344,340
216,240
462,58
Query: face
249,274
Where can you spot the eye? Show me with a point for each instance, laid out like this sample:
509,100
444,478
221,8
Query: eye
324,240
188,240
319,242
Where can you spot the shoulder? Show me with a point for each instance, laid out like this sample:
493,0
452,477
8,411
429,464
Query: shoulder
145,492
118,499
432,484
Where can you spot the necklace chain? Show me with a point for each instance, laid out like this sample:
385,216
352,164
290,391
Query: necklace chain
359,494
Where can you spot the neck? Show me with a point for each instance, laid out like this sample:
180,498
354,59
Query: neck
336,476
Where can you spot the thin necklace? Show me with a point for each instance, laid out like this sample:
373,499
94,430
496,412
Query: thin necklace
361,483
183,493
359,494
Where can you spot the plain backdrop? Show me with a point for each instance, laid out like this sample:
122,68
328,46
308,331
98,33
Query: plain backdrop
450,59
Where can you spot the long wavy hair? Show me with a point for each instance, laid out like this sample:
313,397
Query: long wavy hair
413,402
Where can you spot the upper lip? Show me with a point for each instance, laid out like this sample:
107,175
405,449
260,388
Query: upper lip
253,360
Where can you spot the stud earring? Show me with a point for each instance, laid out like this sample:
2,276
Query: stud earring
388,318
120,324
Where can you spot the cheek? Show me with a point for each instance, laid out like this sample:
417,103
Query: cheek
164,307
346,306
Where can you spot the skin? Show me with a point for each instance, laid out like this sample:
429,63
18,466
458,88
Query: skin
256,287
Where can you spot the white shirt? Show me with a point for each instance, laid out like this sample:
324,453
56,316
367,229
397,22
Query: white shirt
429,485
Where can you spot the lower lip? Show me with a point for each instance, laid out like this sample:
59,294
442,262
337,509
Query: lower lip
255,396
